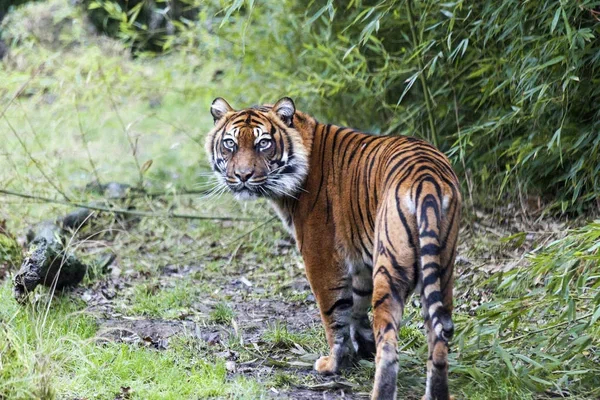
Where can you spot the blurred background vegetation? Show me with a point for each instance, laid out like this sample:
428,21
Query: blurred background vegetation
119,90
508,89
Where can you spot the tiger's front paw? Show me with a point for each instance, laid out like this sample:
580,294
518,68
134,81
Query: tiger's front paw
327,365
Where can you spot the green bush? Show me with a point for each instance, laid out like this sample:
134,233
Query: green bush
6,5
542,328
512,87
52,24
143,24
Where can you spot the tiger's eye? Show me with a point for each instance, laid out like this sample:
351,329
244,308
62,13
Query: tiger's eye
229,144
264,144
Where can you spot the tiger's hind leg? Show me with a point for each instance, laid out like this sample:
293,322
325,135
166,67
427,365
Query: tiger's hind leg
437,361
393,280
437,270
361,331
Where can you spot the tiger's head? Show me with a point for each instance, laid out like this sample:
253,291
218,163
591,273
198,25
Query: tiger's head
257,151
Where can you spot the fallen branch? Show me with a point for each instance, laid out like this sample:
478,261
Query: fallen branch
48,260
108,190
113,210
47,263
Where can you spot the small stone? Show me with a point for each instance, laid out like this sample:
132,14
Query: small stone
87,296
115,271
230,366
245,281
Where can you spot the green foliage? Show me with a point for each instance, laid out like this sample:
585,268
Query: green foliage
156,375
282,379
35,342
50,351
511,87
6,5
541,330
142,24
410,337
50,24
10,251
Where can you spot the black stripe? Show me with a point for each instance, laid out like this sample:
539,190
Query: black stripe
390,326
362,293
338,325
341,303
289,170
322,148
445,239
381,300
437,340
430,265
428,233
398,268
392,286
430,279
428,178
433,297
430,250
428,202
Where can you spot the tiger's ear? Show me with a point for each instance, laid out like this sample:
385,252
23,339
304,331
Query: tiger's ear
219,107
285,110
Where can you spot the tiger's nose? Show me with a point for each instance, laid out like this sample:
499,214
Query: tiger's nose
243,174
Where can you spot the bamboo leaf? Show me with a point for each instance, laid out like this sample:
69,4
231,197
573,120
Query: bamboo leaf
555,19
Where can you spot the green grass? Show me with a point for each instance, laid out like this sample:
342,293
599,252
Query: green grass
279,336
38,340
222,314
45,355
155,375
152,300
284,380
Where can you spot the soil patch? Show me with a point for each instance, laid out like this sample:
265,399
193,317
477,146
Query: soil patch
148,332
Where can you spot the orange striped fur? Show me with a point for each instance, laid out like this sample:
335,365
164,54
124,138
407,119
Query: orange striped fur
375,219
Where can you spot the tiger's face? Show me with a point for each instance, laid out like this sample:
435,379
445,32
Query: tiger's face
256,152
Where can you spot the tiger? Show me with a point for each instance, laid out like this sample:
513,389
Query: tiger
375,218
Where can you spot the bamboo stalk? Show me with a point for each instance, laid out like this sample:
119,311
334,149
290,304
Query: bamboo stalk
433,130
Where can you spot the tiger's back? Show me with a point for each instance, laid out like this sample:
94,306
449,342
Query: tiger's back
375,219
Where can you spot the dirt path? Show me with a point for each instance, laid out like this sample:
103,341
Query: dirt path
273,334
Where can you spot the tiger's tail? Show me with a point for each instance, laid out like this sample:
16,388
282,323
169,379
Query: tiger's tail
429,217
